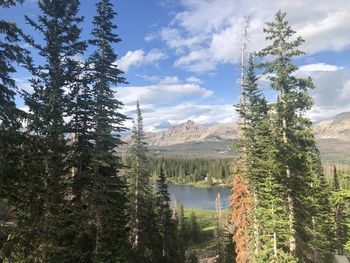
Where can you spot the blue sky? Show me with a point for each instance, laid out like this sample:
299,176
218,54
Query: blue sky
181,57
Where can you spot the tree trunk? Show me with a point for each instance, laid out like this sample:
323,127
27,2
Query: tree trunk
290,199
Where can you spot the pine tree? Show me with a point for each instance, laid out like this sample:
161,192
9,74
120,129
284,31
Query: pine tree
10,139
165,223
339,215
108,190
322,232
80,127
182,242
49,226
11,53
140,194
260,172
293,137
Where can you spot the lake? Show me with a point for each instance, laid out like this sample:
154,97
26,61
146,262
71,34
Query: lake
199,198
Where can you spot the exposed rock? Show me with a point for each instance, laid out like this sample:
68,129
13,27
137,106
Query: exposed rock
191,132
337,128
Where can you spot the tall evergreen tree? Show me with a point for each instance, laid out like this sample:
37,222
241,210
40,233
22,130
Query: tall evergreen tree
181,232
165,223
80,128
10,53
262,231
140,194
293,137
108,189
50,215
11,139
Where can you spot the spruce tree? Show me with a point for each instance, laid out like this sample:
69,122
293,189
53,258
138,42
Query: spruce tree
11,53
108,190
80,127
140,194
182,242
339,215
48,220
11,138
165,223
260,231
293,137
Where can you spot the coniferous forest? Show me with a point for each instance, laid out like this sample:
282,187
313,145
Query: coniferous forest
68,195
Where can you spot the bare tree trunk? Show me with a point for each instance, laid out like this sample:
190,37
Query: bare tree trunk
137,221
244,39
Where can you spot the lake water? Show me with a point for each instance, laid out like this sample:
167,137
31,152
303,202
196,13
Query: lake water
200,198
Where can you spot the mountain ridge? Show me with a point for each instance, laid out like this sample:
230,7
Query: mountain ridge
337,128
194,140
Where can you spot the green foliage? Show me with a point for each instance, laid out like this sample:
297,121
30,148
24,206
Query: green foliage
291,212
340,204
69,201
165,223
140,210
108,195
193,170
194,230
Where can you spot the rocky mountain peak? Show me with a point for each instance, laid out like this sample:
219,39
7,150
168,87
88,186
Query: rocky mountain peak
337,128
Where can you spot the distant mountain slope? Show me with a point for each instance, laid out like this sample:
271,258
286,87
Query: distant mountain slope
192,132
191,139
337,127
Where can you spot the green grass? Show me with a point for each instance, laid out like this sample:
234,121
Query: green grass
207,222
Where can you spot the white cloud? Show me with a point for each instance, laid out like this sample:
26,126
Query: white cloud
207,33
168,80
162,93
319,67
163,80
155,117
139,58
331,94
194,80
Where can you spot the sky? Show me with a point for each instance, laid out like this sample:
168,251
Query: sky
181,57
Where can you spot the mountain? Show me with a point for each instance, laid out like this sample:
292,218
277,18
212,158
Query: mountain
337,127
192,132
333,138
191,139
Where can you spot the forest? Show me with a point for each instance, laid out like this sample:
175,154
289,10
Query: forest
67,194
207,172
